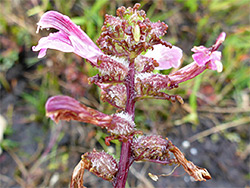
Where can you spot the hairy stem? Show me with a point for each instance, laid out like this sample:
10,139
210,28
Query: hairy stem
125,157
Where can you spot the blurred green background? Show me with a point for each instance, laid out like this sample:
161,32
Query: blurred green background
211,128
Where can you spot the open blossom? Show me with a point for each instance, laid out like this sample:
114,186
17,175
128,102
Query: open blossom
69,38
166,57
204,58
204,55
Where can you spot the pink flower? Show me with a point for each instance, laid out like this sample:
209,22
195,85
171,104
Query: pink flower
66,108
166,57
69,38
209,56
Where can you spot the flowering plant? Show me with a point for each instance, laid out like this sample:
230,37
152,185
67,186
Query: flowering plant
130,48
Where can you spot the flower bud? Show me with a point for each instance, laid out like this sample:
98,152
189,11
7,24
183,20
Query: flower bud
136,33
145,64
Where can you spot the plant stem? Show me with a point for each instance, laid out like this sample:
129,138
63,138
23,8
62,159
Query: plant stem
125,157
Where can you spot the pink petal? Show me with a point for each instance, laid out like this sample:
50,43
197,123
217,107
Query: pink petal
201,58
85,50
166,57
67,108
186,73
57,41
61,102
70,37
215,63
53,19
219,41
199,49
216,55
204,55
201,55
42,53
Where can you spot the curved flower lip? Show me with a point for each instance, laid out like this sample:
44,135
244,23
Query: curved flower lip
166,57
201,55
70,37
209,56
61,102
66,108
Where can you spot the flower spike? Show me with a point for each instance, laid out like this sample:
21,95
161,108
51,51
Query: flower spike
131,48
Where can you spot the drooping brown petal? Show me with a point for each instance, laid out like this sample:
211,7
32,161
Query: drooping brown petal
77,176
198,173
66,108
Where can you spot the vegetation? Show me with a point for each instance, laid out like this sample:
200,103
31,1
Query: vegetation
214,119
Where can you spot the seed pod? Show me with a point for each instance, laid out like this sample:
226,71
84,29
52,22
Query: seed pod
99,163
151,148
122,124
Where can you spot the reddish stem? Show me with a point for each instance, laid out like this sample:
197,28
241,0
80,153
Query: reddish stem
125,157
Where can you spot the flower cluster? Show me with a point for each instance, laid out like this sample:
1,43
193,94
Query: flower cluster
130,49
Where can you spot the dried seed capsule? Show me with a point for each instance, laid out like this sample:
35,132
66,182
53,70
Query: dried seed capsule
99,163
151,148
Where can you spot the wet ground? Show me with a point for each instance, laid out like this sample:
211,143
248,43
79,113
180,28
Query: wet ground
29,165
